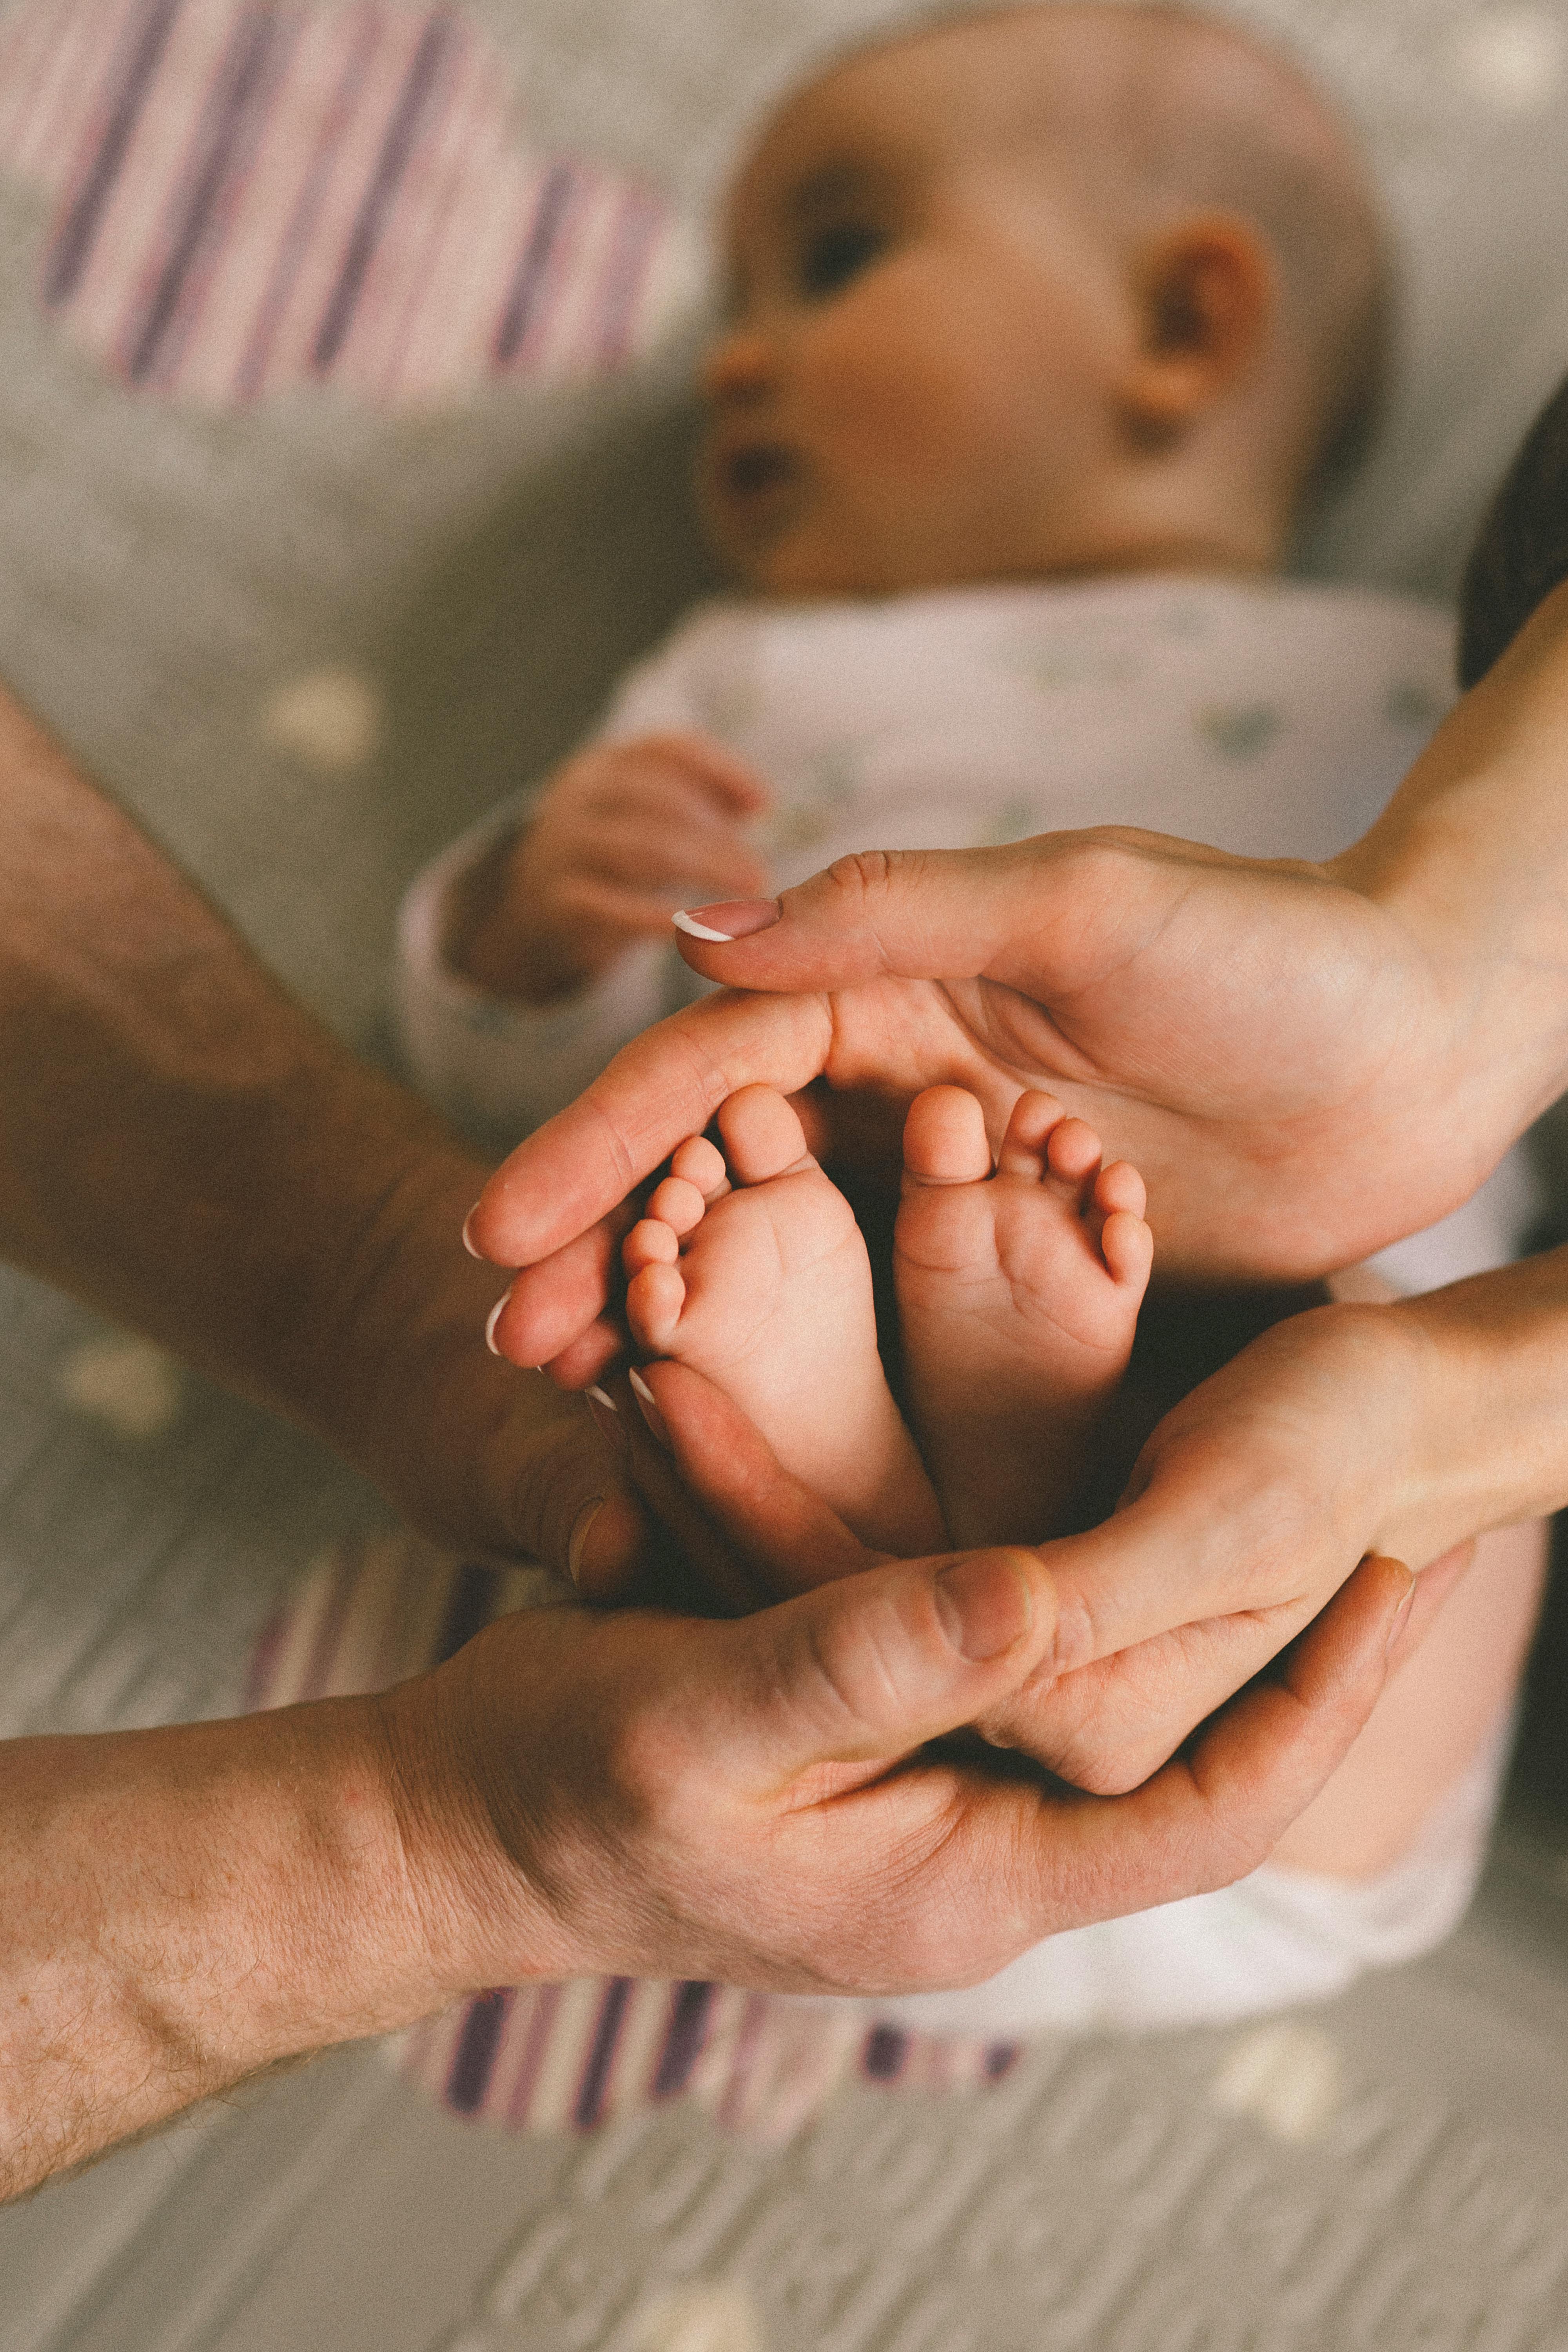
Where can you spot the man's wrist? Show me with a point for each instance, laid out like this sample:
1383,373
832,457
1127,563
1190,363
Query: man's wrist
187,1907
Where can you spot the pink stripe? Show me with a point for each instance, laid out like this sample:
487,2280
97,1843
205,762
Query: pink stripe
403,251
297,236
437,181
520,2098
731,2110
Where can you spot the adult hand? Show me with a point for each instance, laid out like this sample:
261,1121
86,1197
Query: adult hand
615,833
1304,1062
1250,1505
573,1793
740,1800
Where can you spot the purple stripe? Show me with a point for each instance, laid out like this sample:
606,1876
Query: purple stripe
684,2041
295,239
67,259
396,148
522,298
606,2034
221,152
469,2075
885,2052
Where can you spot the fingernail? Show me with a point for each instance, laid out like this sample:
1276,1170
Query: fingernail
491,1320
985,1605
736,918
1396,1623
649,1410
577,1542
602,1396
468,1238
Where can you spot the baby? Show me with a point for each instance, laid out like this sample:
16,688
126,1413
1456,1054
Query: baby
1044,322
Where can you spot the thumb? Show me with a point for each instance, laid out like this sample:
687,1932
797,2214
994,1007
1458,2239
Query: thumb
872,1667
1013,913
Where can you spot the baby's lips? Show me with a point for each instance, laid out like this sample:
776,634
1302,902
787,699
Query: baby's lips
733,919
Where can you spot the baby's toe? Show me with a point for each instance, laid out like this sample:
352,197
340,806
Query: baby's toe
944,1137
1120,1186
702,1163
1129,1249
1072,1152
1035,1116
763,1135
649,1243
655,1298
677,1204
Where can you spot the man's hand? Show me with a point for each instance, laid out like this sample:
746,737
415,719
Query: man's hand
575,1793
739,1799
1250,1505
620,831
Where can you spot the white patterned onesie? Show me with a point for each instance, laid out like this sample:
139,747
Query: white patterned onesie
1271,718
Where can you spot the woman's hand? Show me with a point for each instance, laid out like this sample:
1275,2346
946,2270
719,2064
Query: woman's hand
1304,1062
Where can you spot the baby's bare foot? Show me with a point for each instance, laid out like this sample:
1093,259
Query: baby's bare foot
1018,1294
754,1273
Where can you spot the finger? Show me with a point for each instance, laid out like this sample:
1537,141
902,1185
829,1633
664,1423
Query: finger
725,780
873,1666
555,1302
1434,1587
1220,1810
786,1537
1046,913
663,1087
572,1503
666,848
695,1570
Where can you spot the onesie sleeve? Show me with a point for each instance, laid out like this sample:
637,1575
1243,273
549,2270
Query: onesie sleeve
497,1068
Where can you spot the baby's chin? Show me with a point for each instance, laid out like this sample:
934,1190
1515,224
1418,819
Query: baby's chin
801,568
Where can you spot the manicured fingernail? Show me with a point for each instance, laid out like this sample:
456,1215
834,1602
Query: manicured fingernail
649,1410
577,1543
491,1320
468,1238
1396,1623
602,1396
985,1605
736,918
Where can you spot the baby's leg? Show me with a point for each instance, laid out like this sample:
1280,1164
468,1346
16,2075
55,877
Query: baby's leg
1431,1721
1018,1295
750,1267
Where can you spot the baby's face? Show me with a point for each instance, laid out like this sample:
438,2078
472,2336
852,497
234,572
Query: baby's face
915,386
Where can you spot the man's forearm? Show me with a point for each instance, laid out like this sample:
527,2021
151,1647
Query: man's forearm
185,1906
184,1147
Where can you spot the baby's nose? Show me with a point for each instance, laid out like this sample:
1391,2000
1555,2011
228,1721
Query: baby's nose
738,366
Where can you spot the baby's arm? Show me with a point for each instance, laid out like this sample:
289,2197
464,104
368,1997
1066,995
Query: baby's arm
535,947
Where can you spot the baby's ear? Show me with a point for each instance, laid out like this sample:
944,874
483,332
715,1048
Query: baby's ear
1206,292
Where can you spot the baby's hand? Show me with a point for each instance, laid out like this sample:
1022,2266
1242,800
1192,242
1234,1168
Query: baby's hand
623,835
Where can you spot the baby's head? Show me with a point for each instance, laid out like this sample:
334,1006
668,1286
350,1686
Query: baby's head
1039,291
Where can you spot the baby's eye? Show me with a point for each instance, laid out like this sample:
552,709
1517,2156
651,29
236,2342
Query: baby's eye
832,257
